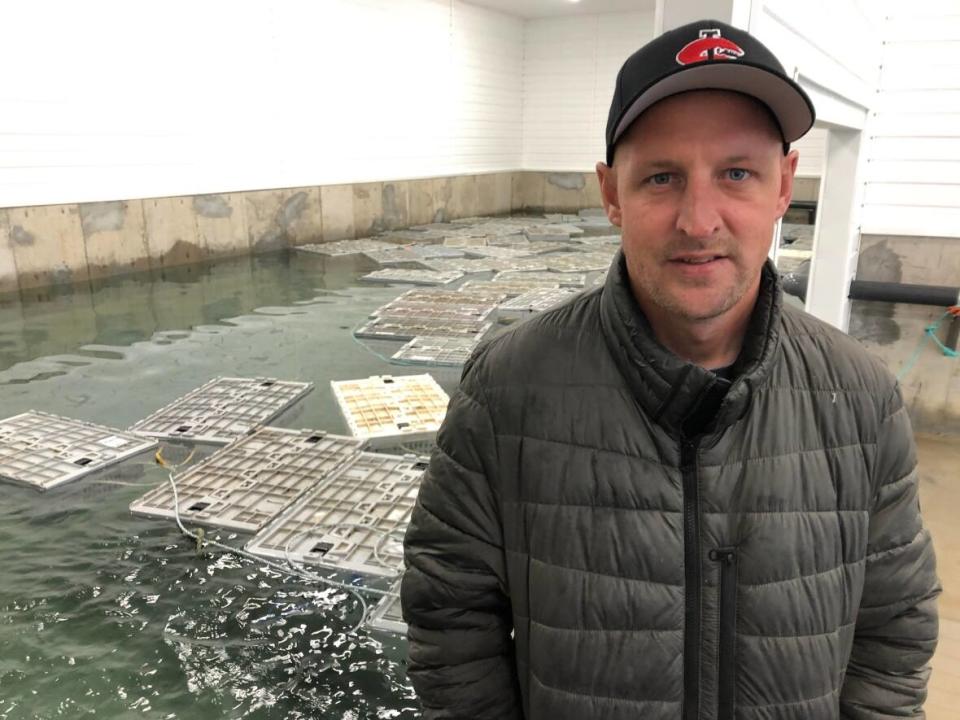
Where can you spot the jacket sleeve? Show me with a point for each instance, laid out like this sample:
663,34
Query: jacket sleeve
896,630
454,590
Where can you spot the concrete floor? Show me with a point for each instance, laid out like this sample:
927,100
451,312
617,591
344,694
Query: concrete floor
940,498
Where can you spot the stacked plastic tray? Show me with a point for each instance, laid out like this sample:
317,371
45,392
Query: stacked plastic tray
386,410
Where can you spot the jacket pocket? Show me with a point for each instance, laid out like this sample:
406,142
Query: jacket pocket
727,642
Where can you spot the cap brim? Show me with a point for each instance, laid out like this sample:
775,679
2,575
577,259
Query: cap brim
787,100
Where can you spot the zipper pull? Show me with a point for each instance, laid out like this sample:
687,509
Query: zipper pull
724,555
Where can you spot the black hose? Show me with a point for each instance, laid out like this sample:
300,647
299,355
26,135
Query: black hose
936,295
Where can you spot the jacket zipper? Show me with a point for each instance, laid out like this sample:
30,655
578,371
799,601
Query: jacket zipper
727,651
691,564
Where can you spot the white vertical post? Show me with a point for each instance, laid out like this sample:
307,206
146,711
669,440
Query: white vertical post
836,240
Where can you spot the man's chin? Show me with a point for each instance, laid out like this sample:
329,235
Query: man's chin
701,307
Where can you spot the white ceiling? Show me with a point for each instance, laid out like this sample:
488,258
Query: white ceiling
551,8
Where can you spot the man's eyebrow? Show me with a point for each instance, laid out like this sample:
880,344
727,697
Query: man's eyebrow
733,159
659,165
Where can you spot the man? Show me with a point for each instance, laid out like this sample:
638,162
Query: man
674,497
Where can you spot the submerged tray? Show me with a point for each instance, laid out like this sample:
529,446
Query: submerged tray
414,277
432,350
390,328
43,451
387,410
222,410
354,520
244,485
387,615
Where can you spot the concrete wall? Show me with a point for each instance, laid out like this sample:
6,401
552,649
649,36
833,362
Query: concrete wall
50,245
892,331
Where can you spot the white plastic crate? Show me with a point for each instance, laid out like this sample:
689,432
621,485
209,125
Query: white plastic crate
387,615
245,485
396,328
387,410
346,247
354,520
222,410
431,350
414,277
43,451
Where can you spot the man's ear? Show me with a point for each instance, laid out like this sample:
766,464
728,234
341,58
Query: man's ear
608,192
788,169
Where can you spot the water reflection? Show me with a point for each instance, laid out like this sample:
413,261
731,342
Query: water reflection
134,308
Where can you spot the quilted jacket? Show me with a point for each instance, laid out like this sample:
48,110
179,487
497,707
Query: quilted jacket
608,532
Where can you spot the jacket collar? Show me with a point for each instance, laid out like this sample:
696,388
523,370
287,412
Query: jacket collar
672,391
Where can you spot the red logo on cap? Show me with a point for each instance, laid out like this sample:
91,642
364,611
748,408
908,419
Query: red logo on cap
709,46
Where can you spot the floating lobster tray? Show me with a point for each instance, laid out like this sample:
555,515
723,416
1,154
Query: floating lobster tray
353,521
222,410
245,485
577,280
390,328
387,615
430,350
346,247
415,277
43,451
534,302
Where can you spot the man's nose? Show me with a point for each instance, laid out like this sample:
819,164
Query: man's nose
699,214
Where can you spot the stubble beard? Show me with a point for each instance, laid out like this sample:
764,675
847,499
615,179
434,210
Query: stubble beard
673,306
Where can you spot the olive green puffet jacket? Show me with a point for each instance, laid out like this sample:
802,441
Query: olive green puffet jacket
606,532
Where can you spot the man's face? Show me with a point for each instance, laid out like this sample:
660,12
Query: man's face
697,186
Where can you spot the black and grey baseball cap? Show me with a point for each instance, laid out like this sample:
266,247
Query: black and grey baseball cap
706,55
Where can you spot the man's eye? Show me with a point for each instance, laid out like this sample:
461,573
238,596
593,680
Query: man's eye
659,179
738,174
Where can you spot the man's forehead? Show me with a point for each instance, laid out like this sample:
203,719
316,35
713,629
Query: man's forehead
711,113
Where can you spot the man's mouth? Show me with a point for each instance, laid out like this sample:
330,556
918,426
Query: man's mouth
697,259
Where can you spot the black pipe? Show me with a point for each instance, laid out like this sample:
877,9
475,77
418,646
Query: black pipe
937,295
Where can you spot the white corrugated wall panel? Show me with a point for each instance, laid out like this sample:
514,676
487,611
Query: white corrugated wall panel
913,170
123,100
570,66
